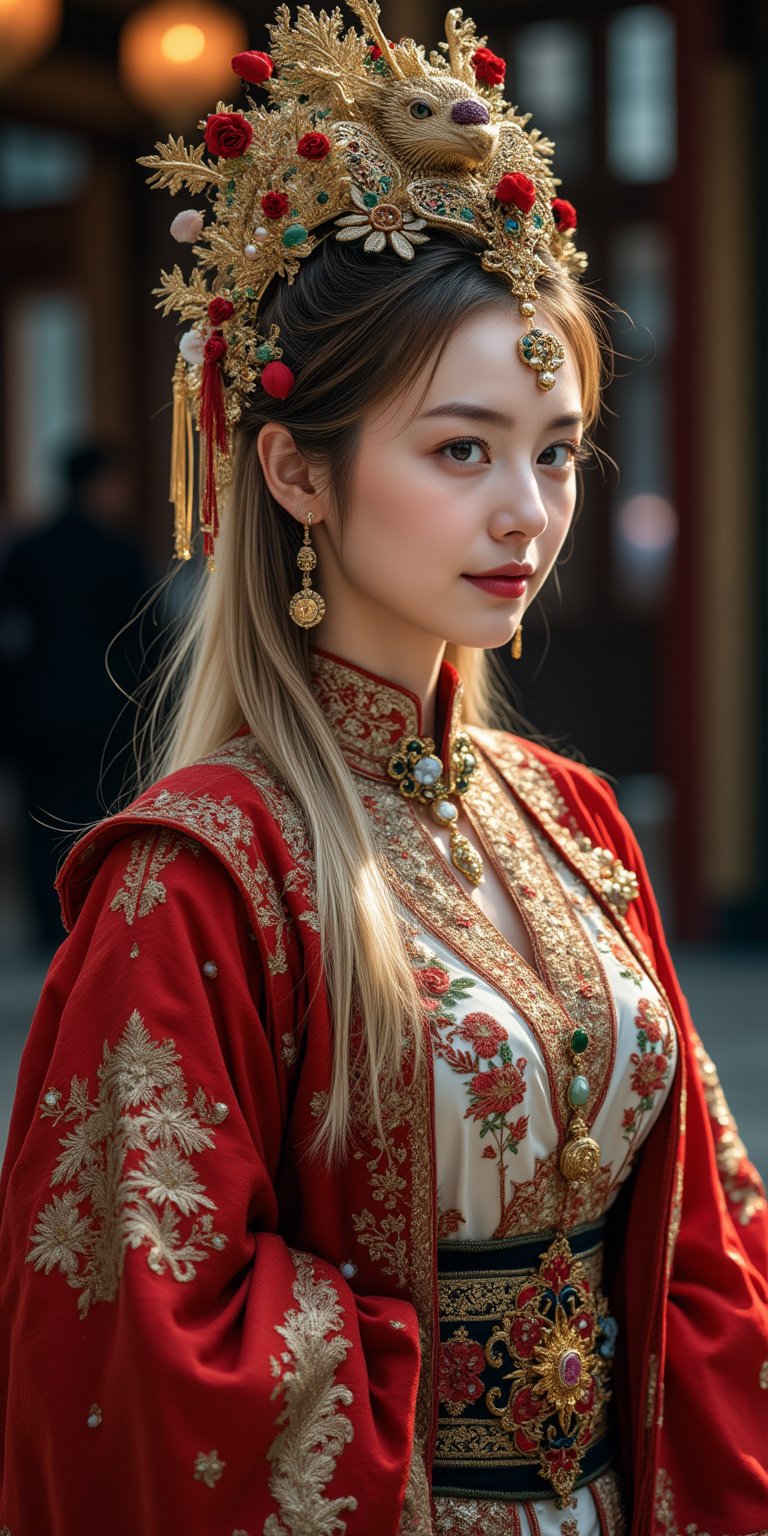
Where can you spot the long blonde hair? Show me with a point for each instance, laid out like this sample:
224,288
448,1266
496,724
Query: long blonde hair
350,326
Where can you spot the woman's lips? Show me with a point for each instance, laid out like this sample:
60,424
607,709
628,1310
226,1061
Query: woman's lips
500,586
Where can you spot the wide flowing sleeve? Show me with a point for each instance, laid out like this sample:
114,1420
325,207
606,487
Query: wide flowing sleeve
168,1361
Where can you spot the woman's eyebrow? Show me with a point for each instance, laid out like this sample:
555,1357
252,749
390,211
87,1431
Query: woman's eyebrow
496,418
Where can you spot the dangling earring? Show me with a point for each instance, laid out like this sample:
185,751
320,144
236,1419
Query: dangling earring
306,606
517,643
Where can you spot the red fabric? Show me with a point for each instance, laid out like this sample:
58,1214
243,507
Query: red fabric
712,1319
182,1366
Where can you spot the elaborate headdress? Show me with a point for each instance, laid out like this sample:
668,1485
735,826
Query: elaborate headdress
362,139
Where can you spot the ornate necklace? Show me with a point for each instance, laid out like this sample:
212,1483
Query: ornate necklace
420,775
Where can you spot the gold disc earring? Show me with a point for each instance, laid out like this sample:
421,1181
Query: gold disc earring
517,643
306,607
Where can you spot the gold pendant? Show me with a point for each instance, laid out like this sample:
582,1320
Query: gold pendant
580,1157
465,857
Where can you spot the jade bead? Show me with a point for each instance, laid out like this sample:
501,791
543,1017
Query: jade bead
578,1092
295,234
579,1040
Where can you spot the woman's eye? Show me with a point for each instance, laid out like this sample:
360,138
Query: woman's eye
420,109
464,446
559,455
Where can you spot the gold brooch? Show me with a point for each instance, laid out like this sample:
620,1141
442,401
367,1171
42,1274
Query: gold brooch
420,776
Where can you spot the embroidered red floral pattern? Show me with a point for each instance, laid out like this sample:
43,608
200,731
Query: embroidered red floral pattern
460,1371
495,1080
650,1066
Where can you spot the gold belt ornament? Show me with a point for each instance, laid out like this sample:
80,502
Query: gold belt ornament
524,1377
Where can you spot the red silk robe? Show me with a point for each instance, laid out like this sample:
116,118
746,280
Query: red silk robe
203,1329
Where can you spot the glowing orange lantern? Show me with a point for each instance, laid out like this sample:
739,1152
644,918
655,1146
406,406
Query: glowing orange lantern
175,58
27,29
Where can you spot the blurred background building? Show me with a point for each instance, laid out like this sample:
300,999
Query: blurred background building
648,654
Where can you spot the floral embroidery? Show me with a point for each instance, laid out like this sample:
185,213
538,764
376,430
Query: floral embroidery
742,1184
460,1370
448,1222
288,1048
650,1067
208,1468
496,1084
142,889
141,1107
312,1430
666,1519
385,1239
611,944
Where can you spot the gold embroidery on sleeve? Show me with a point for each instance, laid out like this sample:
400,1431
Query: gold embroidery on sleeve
208,1468
416,1515
743,1187
312,1430
764,1375
141,1106
142,888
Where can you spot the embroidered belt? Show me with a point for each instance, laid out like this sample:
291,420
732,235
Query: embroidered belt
526,1345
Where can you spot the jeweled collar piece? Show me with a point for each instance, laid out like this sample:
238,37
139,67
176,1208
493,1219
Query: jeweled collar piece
379,729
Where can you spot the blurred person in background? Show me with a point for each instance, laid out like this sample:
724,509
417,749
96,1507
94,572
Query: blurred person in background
67,588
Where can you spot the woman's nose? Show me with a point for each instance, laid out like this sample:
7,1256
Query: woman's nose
523,512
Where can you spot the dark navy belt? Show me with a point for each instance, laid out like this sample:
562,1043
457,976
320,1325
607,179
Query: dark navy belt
526,1345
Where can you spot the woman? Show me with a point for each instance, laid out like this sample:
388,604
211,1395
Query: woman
350,1184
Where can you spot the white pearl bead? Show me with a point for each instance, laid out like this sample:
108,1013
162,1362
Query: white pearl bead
251,251
470,762
260,233
348,1269
210,968
446,810
427,770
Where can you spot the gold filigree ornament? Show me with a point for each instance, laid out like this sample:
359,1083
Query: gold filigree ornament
559,1339
419,775
362,140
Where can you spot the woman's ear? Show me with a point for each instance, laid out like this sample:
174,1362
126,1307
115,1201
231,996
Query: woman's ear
287,473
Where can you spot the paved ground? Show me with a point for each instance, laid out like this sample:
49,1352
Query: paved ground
727,991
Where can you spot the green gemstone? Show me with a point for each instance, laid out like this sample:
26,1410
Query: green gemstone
250,293
370,199
295,234
385,183
466,213
579,1041
578,1091
322,197
264,353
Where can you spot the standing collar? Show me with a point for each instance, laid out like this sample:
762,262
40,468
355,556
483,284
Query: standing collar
370,715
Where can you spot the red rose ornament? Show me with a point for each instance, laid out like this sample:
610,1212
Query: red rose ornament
517,189
275,204
253,66
227,134
220,310
564,213
489,68
313,146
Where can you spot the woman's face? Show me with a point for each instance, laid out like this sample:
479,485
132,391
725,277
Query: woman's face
483,474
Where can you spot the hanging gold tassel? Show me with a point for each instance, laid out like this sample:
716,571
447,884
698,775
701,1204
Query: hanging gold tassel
517,643
182,463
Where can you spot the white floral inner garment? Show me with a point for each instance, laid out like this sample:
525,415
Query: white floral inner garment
498,1142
